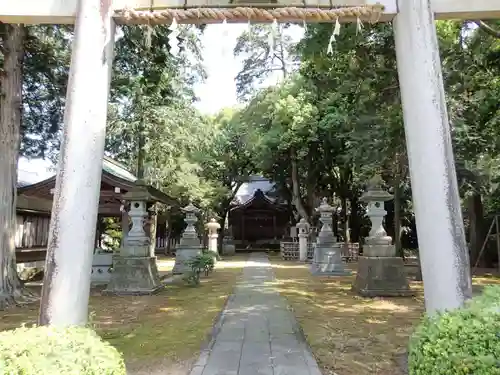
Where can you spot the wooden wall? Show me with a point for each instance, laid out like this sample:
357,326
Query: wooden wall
32,235
32,231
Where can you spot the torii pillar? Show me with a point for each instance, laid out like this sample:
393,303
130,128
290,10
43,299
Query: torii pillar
66,286
443,251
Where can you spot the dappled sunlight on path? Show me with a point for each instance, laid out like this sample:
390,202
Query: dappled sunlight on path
257,333
349,334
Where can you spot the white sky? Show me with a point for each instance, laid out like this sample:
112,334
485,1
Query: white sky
219,90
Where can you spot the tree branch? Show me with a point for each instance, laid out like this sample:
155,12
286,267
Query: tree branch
488,29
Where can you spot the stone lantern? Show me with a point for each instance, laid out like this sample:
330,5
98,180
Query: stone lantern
303,228
190,245
378,242
327,254
380,272
134,267
326,233
213,226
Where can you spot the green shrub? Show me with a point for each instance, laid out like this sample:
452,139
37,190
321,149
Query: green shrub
213,254
54,351
201,263
460,342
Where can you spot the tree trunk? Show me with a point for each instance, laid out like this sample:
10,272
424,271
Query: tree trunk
354,219
297,201
312,182
488,29
141,138
282,53
222,230
476,232
397,216
223,214
141,152
345,220
10,124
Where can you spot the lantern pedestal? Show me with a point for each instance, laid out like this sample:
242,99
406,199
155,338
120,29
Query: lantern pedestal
327,254
380,272
381,277
228,247
133,276
328,260
379,247
134,268
183,255
190,245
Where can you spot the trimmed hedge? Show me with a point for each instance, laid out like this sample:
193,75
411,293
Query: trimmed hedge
54,351
460,342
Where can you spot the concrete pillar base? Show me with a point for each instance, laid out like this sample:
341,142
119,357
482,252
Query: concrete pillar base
328,261
133,276
381,277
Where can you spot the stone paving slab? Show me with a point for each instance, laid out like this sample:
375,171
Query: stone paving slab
258,334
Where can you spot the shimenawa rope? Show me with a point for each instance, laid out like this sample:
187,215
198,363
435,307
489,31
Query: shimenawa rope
246,14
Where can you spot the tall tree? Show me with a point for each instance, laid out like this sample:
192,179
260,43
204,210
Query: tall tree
227,160
11,47
35,62
47,53
148,82
266,49
471,73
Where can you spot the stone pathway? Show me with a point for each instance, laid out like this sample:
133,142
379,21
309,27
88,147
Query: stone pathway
258,335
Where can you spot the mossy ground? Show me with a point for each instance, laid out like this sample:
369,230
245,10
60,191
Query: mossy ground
348,334
166,330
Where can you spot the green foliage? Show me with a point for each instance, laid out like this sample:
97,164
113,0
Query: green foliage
47,52
212,254
340,119
153,125
202,263
226,158
332,122
472,84
45,74
460,342
112,233
262,58
51,350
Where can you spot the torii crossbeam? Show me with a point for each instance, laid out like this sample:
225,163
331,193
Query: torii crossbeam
64,11
443,250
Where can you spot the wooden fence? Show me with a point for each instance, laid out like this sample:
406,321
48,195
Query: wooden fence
290,251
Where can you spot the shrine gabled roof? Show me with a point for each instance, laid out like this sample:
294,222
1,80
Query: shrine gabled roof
258,197
117,169
113,173
248,189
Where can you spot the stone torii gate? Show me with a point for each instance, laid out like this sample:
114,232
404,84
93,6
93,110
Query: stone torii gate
440,228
